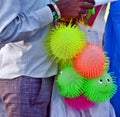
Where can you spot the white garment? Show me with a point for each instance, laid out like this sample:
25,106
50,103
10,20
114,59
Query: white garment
60,109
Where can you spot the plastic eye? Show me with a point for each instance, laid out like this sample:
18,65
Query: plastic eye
100,81
107,80
60,73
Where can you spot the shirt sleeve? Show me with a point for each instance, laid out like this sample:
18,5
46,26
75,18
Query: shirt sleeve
99,2
16,25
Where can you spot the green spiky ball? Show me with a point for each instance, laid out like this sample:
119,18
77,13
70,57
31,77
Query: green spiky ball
69,82
101,88
64,42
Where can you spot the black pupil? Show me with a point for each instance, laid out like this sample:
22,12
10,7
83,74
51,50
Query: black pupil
100,80
108,80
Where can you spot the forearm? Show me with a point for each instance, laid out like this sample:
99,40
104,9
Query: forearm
99,2
17,26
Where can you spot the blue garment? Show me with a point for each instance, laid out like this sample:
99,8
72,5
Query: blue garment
23,27
112,46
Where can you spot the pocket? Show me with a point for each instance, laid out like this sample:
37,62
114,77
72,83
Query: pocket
44,91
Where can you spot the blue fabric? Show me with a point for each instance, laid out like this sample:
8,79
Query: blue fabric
112,46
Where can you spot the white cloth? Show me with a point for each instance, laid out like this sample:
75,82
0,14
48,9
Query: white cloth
60,109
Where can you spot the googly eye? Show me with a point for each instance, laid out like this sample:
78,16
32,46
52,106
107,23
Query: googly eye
60,73
100,81
108,80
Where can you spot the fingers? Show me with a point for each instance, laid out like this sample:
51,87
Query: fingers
74,8
90,1
82,11
87,5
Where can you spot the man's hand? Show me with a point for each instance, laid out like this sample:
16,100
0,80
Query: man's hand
74,8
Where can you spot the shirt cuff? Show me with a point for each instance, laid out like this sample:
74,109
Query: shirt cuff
45,16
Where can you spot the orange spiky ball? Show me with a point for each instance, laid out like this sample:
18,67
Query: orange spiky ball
90,62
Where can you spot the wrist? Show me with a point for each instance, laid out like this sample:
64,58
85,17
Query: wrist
55,11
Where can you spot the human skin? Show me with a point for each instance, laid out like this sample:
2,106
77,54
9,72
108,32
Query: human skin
73,8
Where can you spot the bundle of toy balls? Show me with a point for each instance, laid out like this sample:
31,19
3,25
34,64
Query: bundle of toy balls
83,78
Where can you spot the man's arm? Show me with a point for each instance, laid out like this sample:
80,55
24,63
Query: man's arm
16,25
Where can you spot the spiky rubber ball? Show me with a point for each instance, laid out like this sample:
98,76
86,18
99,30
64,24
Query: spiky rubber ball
80,102
65,41
69,82
101,88
90,62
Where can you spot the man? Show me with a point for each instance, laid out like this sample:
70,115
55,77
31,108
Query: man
26,73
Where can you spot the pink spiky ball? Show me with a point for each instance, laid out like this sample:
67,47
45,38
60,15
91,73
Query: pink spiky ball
80,102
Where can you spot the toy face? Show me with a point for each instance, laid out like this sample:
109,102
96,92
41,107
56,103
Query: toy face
104,84
101,88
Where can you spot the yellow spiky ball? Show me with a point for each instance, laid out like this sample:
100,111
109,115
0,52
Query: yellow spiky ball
65,41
